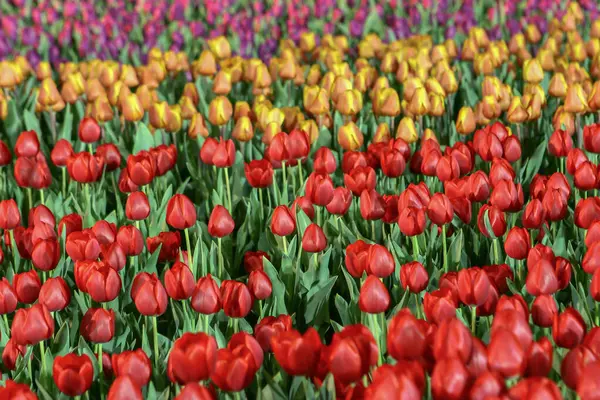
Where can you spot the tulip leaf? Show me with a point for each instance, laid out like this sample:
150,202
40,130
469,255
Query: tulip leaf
533,163
61,342
278,287
327,391
317,299
351,283
456,248
12,123
42,392
67,125
143,138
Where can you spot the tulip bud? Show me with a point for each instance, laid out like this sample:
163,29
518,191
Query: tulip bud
148,294
568,328
220,111
137,207
220,223
73,374
350,137
206,298
314,240
237,299
134,364
575,100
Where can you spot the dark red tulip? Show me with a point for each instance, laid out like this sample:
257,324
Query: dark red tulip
585,176
194,391
234,369
499,274
70,223
89,130
253,260
439,305
447,169
517,243
512,149
440,210
514,322
478,186
353,353
372,206
111,155
82,245
495,220
85,167
73,374
506,356
507,196
590,138
207,151
61,152
560,143
414,277
314,240
535,388
407,336
539,359
141,168
170,241
192,358
542,279
568,328
137,207
392,162
501,170
431,159
32,325
452,339
206,298
271,326
133,363
574,363
390,202
487,385
148,294
11,353
543,310
8,297
534,214
130,240
10,217
450,379
27,144
126,185
27,286
374,297
237,299
181,213
179,281
259,173
489,305
5,156
411,221
98,325
103,283
260,285
165,158
224,155
124,388
319,189
357,258
283,222
359,179
353,159
55,294
114,256
220,223
340,202
45,254
473,286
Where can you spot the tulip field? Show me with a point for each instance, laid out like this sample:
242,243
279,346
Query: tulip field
299,200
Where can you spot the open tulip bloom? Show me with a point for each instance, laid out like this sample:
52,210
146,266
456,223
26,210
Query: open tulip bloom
369,201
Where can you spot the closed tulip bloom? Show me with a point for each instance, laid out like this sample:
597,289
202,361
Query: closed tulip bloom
11,353
206,298
560,143
568,328
137,207
487,385
126,185
439,305
5,156
319,189
124,388
114,256
32,325
259,173
27,144
141,168
497,221
134,364
473,286
352,160
575,362
45,254
193,391
271,326
181,213
55,294
359,179
243,339
82,245
414,277
192,358
452,339
575,158
148,294
447,169
407,336
585,176
374,297
517,243
27,286
372,206
220,223
534,215
165,158
588,385
478,186
207,151
8,297
282,222
587,211
260,285
411,221
89,130
10,217
450,379
543,310
73,374
298,354
179,281
314,240
357,258
234,369
340,202
392,163
224,155
253,260
237,299
111,155
505,354
590,138
353,352
130,240
542,279
324,161
380,261
103,283
440,210
85,167
170,243
98,325
61,152
507,196
539,358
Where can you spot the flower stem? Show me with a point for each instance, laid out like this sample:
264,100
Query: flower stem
30,198
300,175
284,179
284,244
155,331
473,319
43,356
190,251
445,249
220,259
228,189
42,197
262,207
415,242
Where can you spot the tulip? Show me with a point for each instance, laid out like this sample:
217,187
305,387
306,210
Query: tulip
192,358
539,361
220,223
134,364
372,206
269,327
473,286
374,297
260,285
11,353
496,221
32,325
27,144
314,240
487,385
353,351
568,328
84,167
234,369
259,173
124,387
10,217
450,379
319,189
414,277
324,161
179,281
452,339
148,294
89,130
283,222
406,337
411,221
517,243
55,294
541,278
8,297
237,299
27,286
61,153
360,179
357,258
505,354
141,168
587,387
19,391
340,202
220,111
73,374
439,305
560,143
206,298
575,362
98,325
130,239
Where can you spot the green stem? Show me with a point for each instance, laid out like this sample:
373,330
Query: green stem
445,249
473,319
284,244
316,260
228,189
262,206
155,331
220,259
13,249
30,198
300,175
373,233
415,242
190,252
236,325
496,252
90,148
42,197
86,189
284,180
30,369
43,356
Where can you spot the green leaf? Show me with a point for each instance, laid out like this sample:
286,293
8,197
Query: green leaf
67,125
456,247
317,298
143,138
278,287
534,163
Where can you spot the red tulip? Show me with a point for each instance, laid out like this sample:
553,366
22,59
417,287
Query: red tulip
542,279
105,232
179,281
517,243
495,220
431,159
507,196
11,353
324,161
487,385
55,294
392,163
141,168
73,374
587,211
298,144
103,283
305,205
543,310
372,206
192,358
407,336
32,325
585,176
412,221
224,154
194,391
314,240
234,369
206,298
89,130
450,379
130,240
513,321
243,339
237,299
478,186
374,297
253,260
126,185
10,217
447,169
568,328
27,286
260,285
353,352
590,138
148,294
452,339
506,356
282,222
98,325
398,381
340,202
259,173
478,364
516,303
181,213
85,167
27,144
114,256
82,245
560,143
208,150
588,385
359,179
539,359
353,159
5,156
473,286
574,363
137,207
165,158
124,388
440,210
134,364
319,189
439,305
536,387
357,258
18,391
220,223
170,241
111,155
414,277
269,327
8,297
